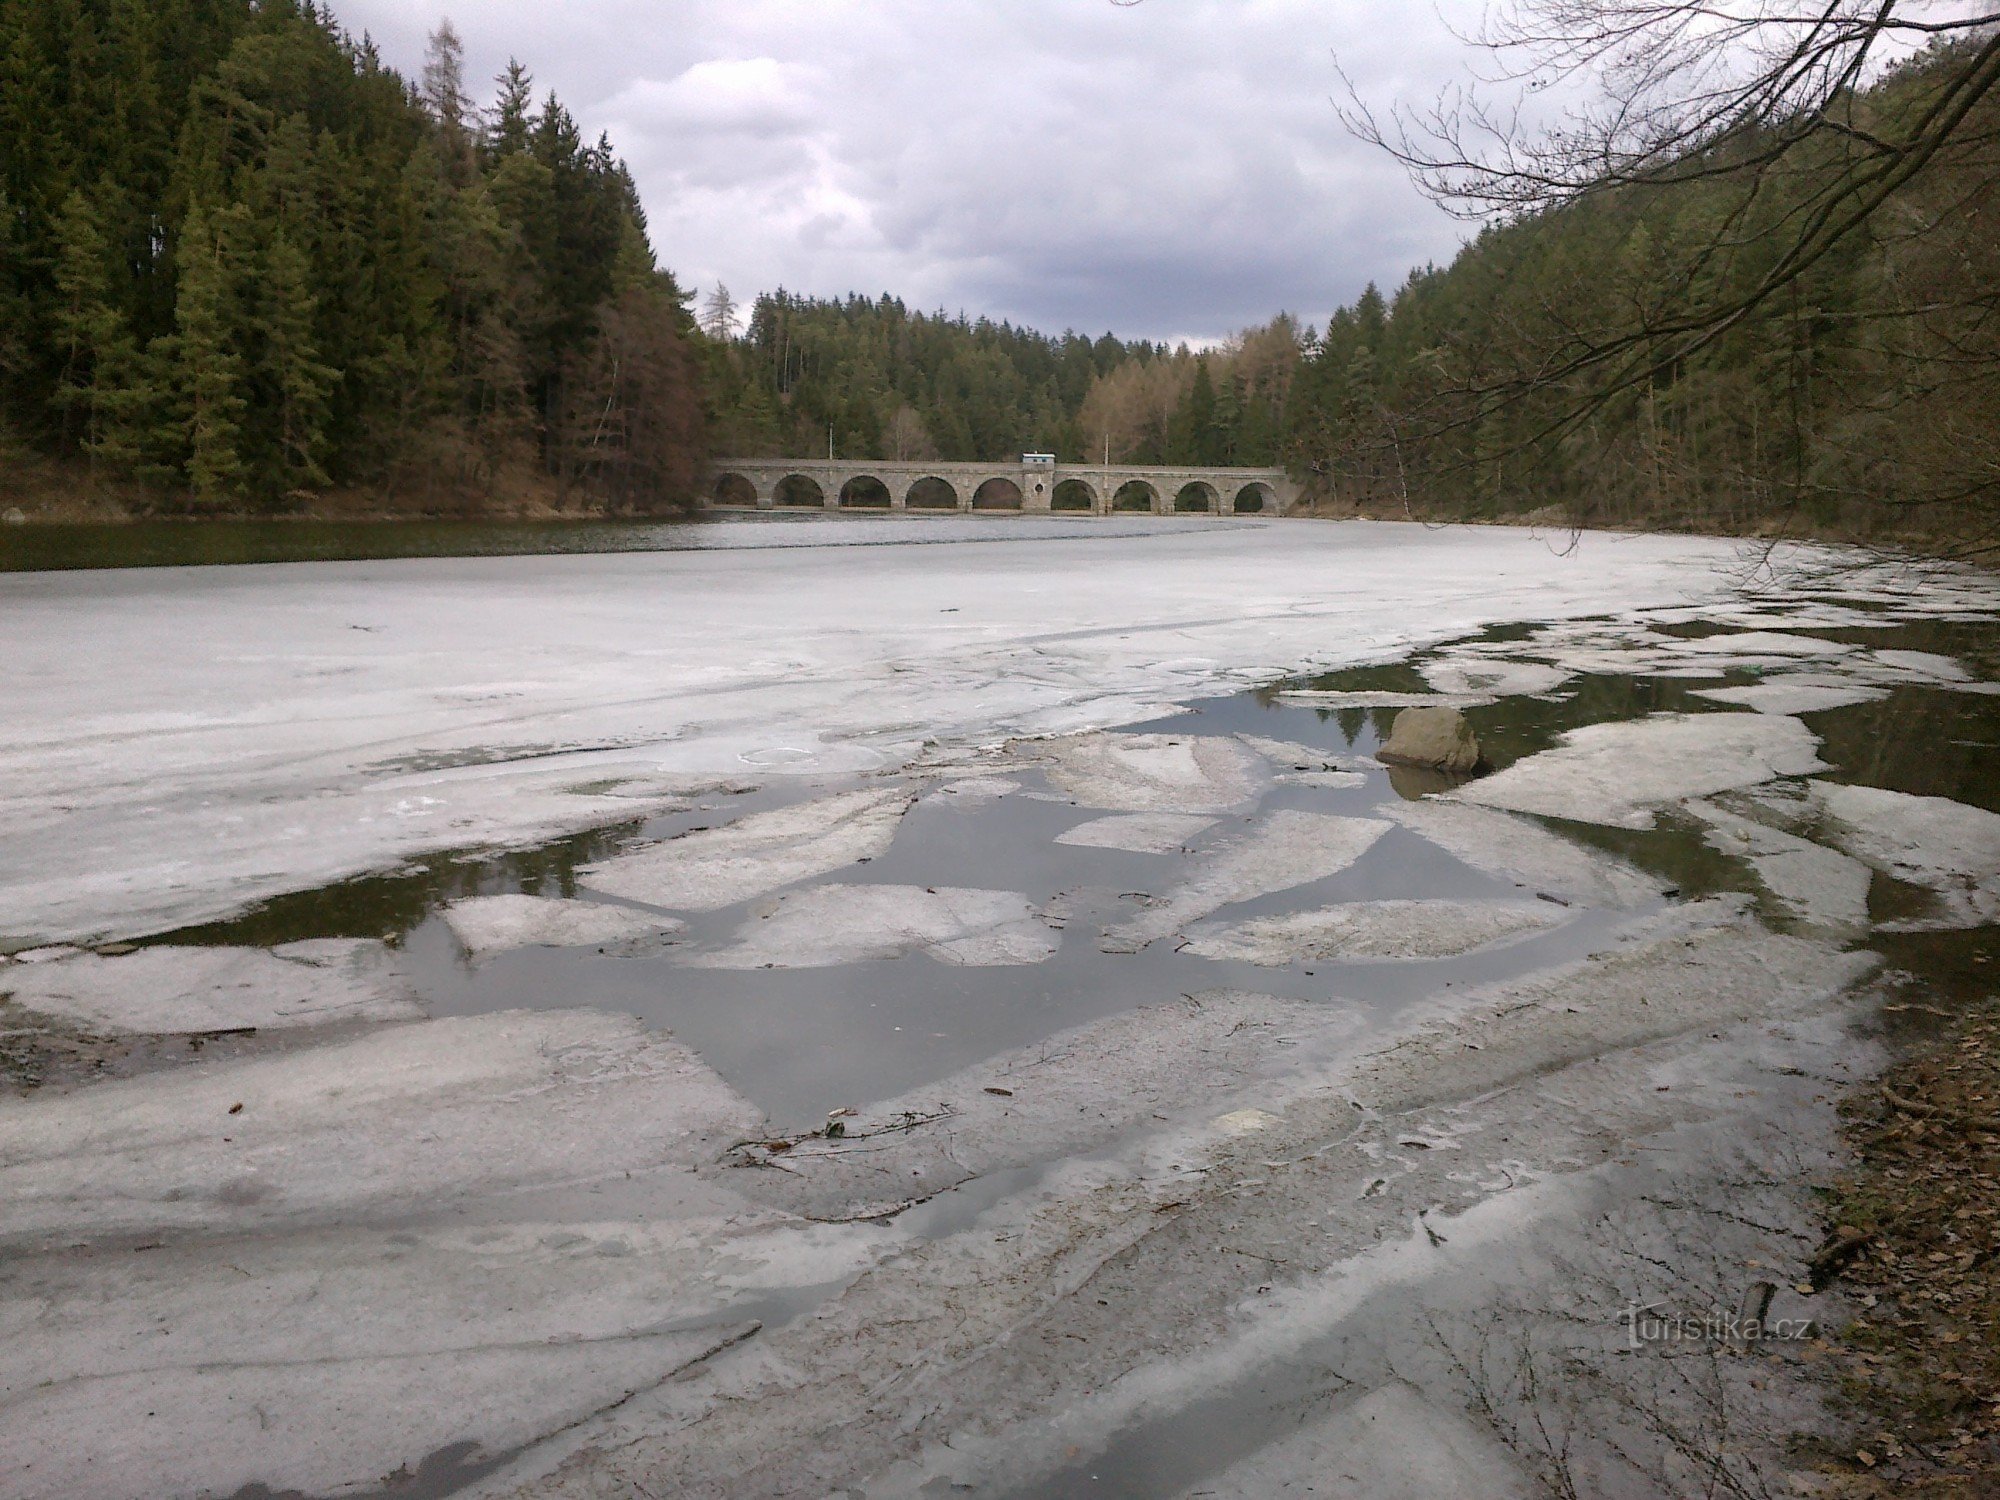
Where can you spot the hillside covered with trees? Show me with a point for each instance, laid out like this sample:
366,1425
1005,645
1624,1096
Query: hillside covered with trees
881,381
243,263
1794,326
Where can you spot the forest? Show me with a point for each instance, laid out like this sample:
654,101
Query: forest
246,265
1673,352
246,268
873,379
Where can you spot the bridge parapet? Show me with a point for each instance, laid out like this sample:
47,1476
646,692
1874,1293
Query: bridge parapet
1033,485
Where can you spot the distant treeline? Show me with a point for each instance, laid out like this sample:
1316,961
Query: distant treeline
1863,400
243,263
880,381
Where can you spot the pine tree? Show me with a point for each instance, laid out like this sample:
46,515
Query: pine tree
208,370
293,367
718,314
91,337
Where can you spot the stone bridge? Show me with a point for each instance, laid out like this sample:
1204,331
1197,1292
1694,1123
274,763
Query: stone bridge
1036,483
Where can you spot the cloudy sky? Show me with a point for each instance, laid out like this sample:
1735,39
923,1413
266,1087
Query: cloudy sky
1173,169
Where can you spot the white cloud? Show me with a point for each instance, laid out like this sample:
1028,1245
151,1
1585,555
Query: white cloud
1172,169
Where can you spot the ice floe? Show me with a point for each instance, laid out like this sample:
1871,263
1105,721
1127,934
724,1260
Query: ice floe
175,990
1372,698
1795,694
1284,850
973,793
1374,930
1138,833
1154,772
1290,755
716,867
1389,1445
423,1113
1520,850
1947,847
843,924
1619,773
1467,676
1817,885
1078,1090
495,924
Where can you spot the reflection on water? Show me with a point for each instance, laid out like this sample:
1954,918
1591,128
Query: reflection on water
164,544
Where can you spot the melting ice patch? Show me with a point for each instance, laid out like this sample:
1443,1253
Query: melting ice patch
1154,772
495,924
174,990
1618,773
1286,849
711,868
844,924
1374,929
1138,833
1944,846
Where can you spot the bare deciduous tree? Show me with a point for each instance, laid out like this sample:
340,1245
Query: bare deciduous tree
1745,97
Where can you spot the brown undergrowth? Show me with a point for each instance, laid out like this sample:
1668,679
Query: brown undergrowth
1914,1243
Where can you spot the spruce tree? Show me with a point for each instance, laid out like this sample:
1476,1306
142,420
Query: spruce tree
208,370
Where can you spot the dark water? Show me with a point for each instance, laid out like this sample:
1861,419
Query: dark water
162,544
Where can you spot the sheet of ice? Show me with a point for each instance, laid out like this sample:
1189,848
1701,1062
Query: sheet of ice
495,924
1289,755
1945,846
1762,643
1287,848
844,924
973,793
323,1425
1389,1445
1138,833
1332,781
1523,851
1818,885
1618,773
1374,929
1373,698
1923,664
1185,773
427,1113
1480,675
1077,1091
172,990
238,736
717,867
1801,694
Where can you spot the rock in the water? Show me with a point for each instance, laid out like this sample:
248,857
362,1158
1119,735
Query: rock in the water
1435,737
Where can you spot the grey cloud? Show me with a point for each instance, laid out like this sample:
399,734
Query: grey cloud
1173,169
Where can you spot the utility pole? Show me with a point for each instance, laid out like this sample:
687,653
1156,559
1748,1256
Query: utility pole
829,442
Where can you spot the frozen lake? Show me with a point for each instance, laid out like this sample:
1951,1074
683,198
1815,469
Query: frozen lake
873,1006
181,742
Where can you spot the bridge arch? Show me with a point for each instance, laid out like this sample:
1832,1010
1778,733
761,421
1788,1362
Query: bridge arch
1136,494
1198,494
931,493
997,493
1255,497
864,492
799,490
1073,494
734,489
